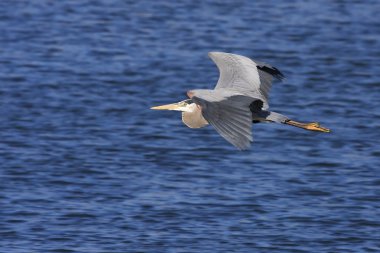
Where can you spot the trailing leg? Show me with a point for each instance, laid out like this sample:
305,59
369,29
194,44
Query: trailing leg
313,126
268,116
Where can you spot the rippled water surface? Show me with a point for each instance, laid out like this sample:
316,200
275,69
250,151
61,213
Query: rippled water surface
86,166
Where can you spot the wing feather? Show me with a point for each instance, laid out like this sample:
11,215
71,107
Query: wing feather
266,74
249,77
236,72
229,115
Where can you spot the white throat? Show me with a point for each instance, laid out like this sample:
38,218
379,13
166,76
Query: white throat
190,107
192,116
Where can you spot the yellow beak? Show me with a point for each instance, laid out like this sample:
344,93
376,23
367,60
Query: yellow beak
171,107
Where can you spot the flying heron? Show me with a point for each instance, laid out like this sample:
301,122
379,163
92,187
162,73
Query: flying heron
239,99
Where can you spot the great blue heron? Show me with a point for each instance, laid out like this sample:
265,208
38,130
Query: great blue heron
239,99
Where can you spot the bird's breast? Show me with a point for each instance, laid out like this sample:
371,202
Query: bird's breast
194,119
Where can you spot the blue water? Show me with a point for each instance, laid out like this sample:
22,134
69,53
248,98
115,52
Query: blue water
86,166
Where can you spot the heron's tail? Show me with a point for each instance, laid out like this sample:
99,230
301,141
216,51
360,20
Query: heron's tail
269,116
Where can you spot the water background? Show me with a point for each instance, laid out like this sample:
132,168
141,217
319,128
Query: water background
85,166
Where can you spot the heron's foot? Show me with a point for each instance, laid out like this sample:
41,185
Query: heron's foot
315,126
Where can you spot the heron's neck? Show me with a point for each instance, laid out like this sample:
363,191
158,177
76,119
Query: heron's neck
193,117
190,108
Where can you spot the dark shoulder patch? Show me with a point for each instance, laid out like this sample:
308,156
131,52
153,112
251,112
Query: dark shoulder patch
256,106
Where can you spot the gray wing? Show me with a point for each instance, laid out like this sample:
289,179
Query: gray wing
266,74
242,74
229,114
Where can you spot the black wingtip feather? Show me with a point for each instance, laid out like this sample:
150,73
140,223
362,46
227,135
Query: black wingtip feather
272,71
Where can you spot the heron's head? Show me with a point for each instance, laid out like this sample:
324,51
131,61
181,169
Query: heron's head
184,106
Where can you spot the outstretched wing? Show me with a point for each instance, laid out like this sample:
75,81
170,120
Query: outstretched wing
229,114
266,74
242,74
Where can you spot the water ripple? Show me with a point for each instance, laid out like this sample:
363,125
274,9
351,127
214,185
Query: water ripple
85,165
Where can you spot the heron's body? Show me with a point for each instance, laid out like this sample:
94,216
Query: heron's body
239,98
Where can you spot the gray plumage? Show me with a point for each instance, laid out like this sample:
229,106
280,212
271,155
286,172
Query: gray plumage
239,99
227,107
270,116
228,114
266,74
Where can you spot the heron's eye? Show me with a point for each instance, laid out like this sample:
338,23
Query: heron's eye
188,101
